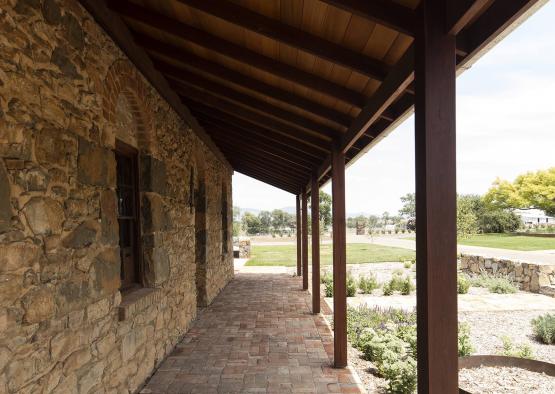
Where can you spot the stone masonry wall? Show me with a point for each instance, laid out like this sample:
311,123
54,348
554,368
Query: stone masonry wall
528,276
66,94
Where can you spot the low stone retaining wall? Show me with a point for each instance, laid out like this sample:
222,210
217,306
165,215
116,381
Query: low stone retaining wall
243,245
530,277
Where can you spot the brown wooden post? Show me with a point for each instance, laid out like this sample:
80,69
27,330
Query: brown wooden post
339,259
305,239
436,203
315,212
299,232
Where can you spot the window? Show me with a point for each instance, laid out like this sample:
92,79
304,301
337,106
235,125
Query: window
128,215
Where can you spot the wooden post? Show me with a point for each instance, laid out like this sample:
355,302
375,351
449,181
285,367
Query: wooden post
339,259
436,203
299,232
315,212
305,239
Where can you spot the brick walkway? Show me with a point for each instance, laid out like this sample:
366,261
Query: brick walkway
258,336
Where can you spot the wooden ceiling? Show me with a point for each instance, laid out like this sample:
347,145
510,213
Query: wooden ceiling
276,83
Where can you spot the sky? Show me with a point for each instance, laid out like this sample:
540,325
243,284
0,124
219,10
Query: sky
505,127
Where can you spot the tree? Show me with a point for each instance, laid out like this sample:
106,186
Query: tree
372,221
279,221
385,218
251,223
408,210
467,220
325,210
265,218
236,213
533,190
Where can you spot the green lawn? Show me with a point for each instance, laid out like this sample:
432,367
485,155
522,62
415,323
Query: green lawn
356,254
509,241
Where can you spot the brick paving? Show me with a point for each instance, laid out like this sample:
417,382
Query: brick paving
258,336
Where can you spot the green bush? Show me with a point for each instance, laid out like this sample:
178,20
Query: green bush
387,290
400,283
494,283
522,351
463,284
407,264
387,337
326,278
328,289
351,286
544,328
465,347
367,284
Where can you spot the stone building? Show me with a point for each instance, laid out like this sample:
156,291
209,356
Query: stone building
114,215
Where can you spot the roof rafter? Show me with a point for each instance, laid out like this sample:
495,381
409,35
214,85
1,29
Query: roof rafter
291,36
226,48
237,97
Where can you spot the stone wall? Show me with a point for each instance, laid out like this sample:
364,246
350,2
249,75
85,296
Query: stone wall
528,276
244,247
66,94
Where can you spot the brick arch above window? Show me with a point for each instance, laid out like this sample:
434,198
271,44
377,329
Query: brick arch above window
123,79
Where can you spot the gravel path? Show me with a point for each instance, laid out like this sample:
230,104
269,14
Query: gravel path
504,380
487,329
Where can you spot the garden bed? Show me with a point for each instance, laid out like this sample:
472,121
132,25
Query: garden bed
505,380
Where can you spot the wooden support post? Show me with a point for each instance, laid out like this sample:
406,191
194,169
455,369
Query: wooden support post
305,239
315,212
299,232
339,259
436,204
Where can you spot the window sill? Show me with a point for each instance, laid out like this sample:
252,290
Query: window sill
137,300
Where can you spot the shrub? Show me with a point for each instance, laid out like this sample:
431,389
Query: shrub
494,283
399,283
328,290
463,284
544,328
465,347
387,290
351,287
387,337
326,278
522,351
407,264
367,284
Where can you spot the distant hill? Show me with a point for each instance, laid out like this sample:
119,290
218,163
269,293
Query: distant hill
292,210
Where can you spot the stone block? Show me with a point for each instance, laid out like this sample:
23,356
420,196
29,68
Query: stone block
38,304
72,295
18,255
154,214
98,310
153,175
96,166
5,199
83,235
105,272
156,266
44,215
109,217
131,342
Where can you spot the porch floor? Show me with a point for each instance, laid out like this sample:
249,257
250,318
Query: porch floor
258,336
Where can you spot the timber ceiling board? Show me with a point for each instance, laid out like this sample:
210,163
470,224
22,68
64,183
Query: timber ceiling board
292,76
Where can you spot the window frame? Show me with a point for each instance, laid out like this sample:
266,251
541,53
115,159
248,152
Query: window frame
132,153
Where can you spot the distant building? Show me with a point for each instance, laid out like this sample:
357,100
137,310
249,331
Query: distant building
534,217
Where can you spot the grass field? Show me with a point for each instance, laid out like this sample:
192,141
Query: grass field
509,241
356,254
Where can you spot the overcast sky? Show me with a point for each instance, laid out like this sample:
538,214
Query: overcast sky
505,126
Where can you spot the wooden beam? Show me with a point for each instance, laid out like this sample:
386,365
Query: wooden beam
263,157
162,51
461,12
262,178
260,143
248,135
436,201
305,239
232,139
271,173
122,37
246,100
339,259
202,97
315,215
299,232
213,116
291,36
387,13
226,48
